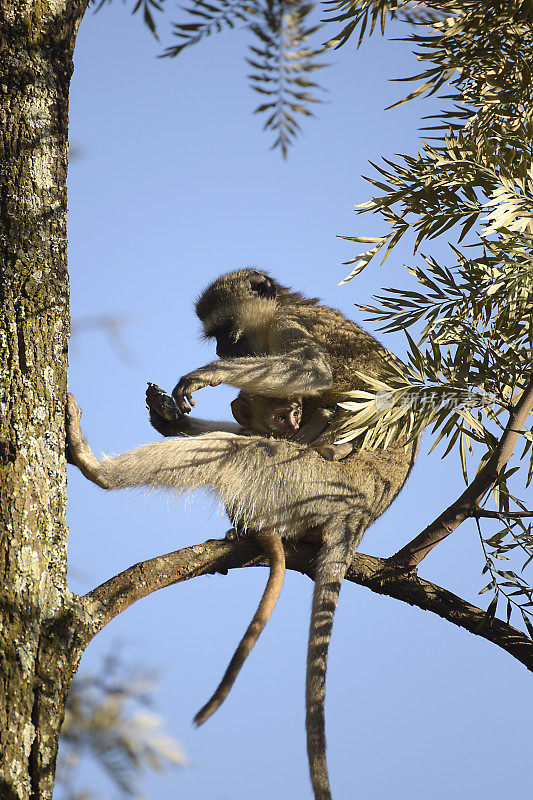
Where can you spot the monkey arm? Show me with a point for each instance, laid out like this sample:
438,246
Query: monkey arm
313,429
191,426
298,367
198,426
168,420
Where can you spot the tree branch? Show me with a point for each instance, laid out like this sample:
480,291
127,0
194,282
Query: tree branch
485,513
218,556
465,506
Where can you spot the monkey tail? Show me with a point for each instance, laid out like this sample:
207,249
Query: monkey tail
273,547
333,561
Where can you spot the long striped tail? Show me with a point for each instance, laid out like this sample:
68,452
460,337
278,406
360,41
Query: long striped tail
333,561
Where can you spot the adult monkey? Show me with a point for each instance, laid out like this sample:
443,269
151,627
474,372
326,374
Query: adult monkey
275,342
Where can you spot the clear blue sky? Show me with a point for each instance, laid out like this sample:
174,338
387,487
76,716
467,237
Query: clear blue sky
175,184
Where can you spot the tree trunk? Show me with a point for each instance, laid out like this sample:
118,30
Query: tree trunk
36,47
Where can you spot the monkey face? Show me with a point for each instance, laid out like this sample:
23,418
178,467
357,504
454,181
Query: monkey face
229,347
237,310
285,419
270,416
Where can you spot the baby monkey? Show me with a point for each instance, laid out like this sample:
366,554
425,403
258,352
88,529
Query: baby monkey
269,416
282,419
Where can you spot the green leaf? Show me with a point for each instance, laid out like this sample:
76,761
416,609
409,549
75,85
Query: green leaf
491,610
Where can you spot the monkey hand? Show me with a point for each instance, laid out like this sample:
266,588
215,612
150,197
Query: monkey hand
315,427
165,415
161,404
72,420
190,383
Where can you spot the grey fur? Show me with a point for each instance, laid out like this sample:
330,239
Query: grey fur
276,343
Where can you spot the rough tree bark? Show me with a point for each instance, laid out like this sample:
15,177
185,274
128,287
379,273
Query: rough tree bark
36,47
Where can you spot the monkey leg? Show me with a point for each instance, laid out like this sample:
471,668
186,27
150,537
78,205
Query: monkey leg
265,484
79,452
273,547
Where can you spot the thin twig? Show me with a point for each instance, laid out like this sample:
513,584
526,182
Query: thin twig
481,512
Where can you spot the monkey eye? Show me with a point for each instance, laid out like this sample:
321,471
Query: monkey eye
280,417
262,286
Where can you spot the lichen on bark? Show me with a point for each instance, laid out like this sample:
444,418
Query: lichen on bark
36,47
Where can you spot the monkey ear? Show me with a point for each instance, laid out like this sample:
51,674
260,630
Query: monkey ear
263,286
241,412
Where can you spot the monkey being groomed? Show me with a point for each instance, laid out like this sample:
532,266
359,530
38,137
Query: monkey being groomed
276,343
282,419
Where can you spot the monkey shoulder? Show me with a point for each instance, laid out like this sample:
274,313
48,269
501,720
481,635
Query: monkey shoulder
336,333
350,349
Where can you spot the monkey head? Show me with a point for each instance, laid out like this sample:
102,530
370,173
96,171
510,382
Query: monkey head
269,416
244,300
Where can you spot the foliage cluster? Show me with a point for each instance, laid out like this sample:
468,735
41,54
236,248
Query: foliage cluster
108,717
284,54
470,322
